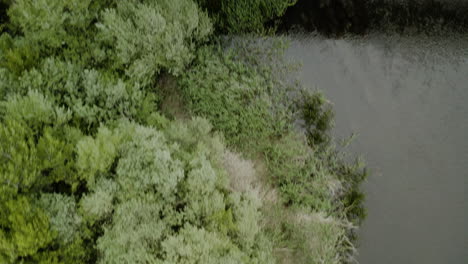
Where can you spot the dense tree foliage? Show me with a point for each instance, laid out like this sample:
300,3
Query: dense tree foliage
92,171
243,16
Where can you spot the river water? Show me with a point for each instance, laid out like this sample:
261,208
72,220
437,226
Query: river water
407,99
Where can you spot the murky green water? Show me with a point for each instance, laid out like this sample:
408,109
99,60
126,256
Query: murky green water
407,98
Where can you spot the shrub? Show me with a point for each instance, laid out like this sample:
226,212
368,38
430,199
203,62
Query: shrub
234,98
4,4
317,116
245,16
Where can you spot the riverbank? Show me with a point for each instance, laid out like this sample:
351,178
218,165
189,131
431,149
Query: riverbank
404,97
130,133
169,131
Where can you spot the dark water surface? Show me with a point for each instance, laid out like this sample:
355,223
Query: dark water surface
407,99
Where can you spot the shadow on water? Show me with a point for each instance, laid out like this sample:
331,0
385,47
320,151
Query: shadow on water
405,97
396,72
338,17
3,15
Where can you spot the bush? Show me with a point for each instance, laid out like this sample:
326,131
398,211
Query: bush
235,98
245,16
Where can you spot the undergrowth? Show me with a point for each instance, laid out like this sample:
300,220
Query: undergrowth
249,100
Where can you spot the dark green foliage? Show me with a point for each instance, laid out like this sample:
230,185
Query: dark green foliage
17,54
243,16
4,4
234,98
340,17
353,175
317,116
330,17
301,177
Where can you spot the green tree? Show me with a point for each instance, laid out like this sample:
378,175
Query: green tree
244,16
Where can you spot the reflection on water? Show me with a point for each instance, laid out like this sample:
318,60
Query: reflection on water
407,98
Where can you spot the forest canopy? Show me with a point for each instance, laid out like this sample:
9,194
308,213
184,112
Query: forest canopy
132,132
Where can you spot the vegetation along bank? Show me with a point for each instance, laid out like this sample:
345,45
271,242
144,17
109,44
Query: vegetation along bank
140,131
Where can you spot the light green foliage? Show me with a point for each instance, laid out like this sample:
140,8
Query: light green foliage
310,237
163,182
27,119
146,166
28,231
150,36
99,203
202,197
96,155
136,231
26,166
193,245
64,220
89,95
33,109
76,53
202,139
246,211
